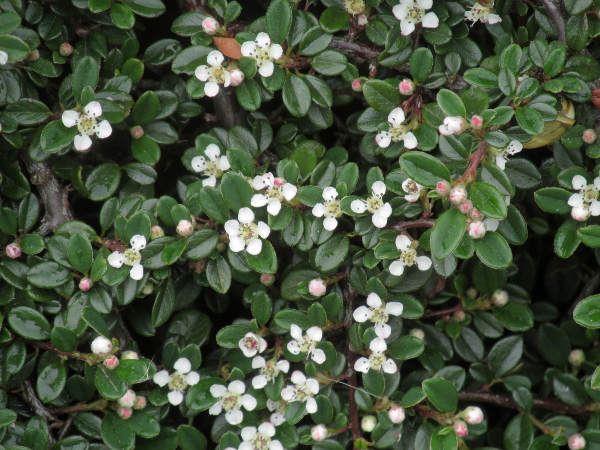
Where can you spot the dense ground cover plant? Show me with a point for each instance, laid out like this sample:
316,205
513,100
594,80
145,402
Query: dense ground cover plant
289,224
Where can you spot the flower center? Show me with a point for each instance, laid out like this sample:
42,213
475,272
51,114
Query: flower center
589,193
250,343
177,382
302,393
373,204
261,442
132,257
409,256
415,14
398,132
86,125
231,401
377,360
269,371
354,6
211,169
306,345
412,188
262,55
273,193
479,12
332,208
380,315
247,232
217,74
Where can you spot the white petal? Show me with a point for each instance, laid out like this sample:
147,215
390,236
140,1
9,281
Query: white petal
259,381
192,378
378,345
362,314
267,429
236,244
597,183
383,330
266,70
237,387
137,272
258,362
410,140
262,39
314,334
215,409
249,402
93,109
175,397
70,118
396,117
389,366
254,247
283,365
491,224
248,48
423,262
575,200
579,182
501,162
274,208
425,4
258,200
298,377
232,227
276,51
395,308
296,332
400,11
202,73
595,208
379,220
374,300
162,378
493,18
138,242
289,191
358,206
383,139
258,183
385,211
103,129
245,215
288,393
311,405
362,365
82,142
3,58
330,223
211,89
329,193
430,20
403,242
182,365
318,210
215,58
198,163
406,27
378,188
234,416
116,259
397,268
318,356
263,229
212,151
275,445
217,390
248,433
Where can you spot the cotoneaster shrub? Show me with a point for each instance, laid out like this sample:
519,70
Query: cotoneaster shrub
285,224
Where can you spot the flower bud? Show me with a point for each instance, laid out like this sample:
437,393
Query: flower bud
406,87
362,20
140,402
418,333
458,195
473,415
357,84
33,56
65,49
148,289
589,136
466,207
317,287
368,423
460,428
267,279
477,229
185,228
319,433
236,77
136,132
476,122
13,250
111,362
102,346
210,25
124,413
580,213
156,232
459,316
576,358
85,284
128,399
442,188
500,297
471,292
396,413
576,442
476,215
129,354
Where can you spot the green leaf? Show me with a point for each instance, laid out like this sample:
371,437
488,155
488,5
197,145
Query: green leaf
14,47
230,336
333,19
425,169
236,191
29,323
481,78
218,275
164,305
116,433
553,200
406,347
576,7
514,316
381,96
441,393
265,261
447,233
442,440
296,95
145,8
146,108
505,355
145,150
32,244
122,16
493,250
189,438
555,61
262,307
48,275
51,382
63,339
103,181
451,103
421,63
530,120
7,417
488,200
86,73
135,370
248,95
518,434
8,22
329,62
80,253
279,20
95,321
587,312
576,31
109,384
213,204
566,239
201,244
29,111
55,136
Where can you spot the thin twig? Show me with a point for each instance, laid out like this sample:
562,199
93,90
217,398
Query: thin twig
443,312
422,223
349,294
476,158
553,9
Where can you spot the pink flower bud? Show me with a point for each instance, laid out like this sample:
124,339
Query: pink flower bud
576,358
458,195
460,428
589,136
500,297
357,84
466,207
111,362
406,87
267,279
140,402
368,423
101,346
210,25
236,77
65,49
13,250
476,122
576,442
33,56
317,287
442,188
362,20
459,316
156,232
319,433
455,125
473,415
128,399
136,132
476,215
129,354
185,228
124,413
396,413
477,229
580,213
85,284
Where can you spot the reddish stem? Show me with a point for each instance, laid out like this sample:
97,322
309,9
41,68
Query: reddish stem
443,312
476,158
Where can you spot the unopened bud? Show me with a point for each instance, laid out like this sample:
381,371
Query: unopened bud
319,433
221,247
102,346
418,333
460,428
362,20
34,55
85,284
65,49
128,399
156,232
185,228
406,87
581,213
500,297
477,229
589,136
476,122
368,423
396,413
148,289
459,316
124,413
476,214
466,207
458,195
13,250
136,132
576,358
111,362
473,415
236,77
129,354
267,279
317,287
140,402
576,442
471,292
357,84
442,188
210,25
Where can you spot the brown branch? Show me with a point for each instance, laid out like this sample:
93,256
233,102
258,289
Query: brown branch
51,348
361,52
554,12
476,158
28,394
443,312
422,223
53,194
99,405
349,294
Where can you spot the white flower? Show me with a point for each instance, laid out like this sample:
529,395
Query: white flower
231,399
376,359
264,52
330,208
268,370
354,7
178,381
277,410
396,131
483,14
3,58
408,257
585,203
478,228
452,125
379,313
304,391
251,344
101,346
501,155
130,257
374,204
244,233
214,167
411,13
307,343
276,192
260,439
87,124
413,190
214,74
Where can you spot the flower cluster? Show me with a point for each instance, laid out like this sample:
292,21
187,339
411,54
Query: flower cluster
264,52
212,168
585,203
215,74
130,257
307,343
481,13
